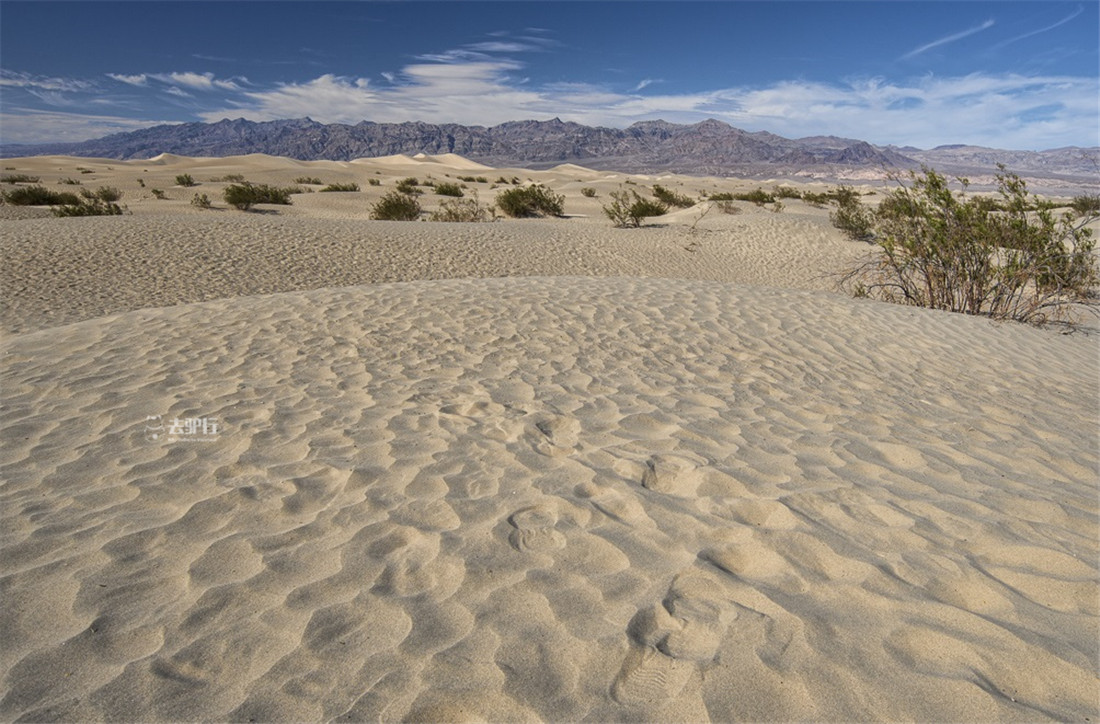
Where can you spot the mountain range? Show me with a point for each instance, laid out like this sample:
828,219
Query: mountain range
709,147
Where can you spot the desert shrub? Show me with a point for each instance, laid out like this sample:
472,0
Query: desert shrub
108,194
185,180
81,169
69,182
374,182
38,196
1086,205
396,206
526,201
141,182
668,197
18,178
158,194
943,251
309,180
243,196
446,189
588,192
229,178
89,206
341,187
628,209
816,198
409,186
462,209
727,206
851,216
201,201
756,196
786,192
723,196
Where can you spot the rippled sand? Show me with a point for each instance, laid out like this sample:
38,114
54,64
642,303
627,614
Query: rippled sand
538,498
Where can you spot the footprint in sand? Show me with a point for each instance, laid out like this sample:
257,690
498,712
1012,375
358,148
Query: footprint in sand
670,639
557,436
672,474
614,504
534,530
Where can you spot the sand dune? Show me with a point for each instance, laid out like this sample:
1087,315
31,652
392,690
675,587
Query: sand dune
624,480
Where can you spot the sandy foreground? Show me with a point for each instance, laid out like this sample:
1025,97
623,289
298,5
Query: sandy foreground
523,471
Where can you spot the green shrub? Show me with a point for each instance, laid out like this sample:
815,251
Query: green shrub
817,199
785,192
1087,205
103,193
396,206
81,169
158,194
201,201
69,182
244,196
18,178
943,251
446,189
228,178
851,216
668,197
628,209
341,187
374,182
409,186
185,180
468,210
309,180
38,196
723,196
757,196
91,206
527,201
588,192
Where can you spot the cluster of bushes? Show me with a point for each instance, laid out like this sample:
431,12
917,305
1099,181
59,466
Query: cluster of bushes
464,210
668,197
1013,259
18,178
185,180
408,186
308,180
474,179
448,189
228,178
629,209
244,195
396,206
101,202
529,201
38,196
340,187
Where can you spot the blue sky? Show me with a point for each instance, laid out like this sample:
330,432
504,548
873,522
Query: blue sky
1021,75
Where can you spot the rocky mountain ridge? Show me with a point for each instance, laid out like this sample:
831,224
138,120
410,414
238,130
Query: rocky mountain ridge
709,147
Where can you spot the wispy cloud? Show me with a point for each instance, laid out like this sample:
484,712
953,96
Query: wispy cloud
137,80
1048,28
25,125
644,83
196,81
12,79
949,39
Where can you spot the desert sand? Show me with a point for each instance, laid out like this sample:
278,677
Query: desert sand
297,465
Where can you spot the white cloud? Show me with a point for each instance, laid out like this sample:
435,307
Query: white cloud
139,80
12,79
24,125
196,81
949,39
994,110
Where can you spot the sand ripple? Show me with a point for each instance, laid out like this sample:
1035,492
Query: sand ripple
549,499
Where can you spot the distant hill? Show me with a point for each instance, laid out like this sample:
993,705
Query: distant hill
706,148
